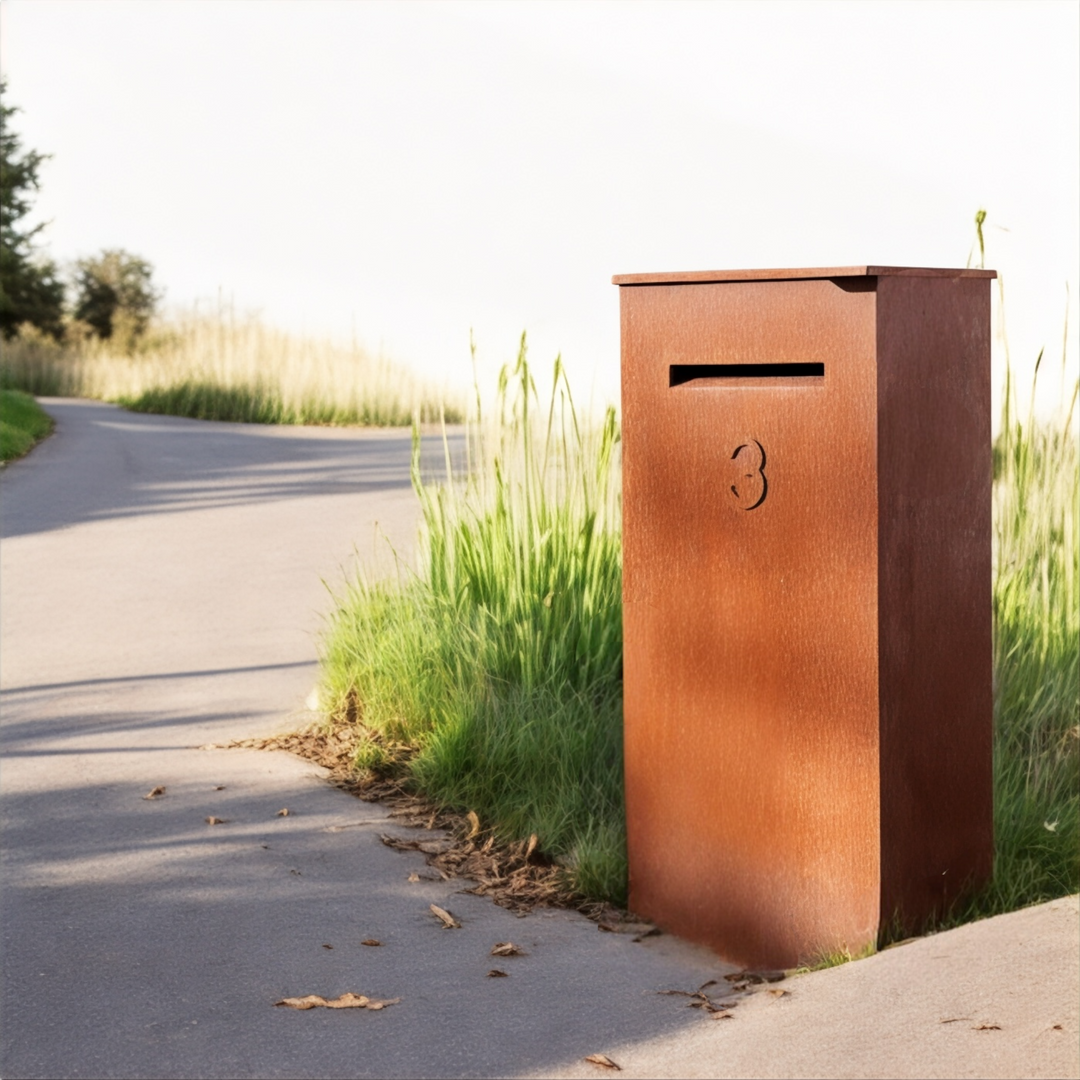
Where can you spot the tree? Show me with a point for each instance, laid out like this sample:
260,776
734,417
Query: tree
115,295
30,289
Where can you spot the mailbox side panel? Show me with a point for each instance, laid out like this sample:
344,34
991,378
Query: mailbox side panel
935,605
750,652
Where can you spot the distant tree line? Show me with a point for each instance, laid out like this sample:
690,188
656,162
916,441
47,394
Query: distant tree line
110,295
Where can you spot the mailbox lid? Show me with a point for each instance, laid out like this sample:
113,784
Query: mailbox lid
705,276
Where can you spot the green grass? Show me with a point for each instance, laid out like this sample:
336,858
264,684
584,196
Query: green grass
259,404
1036,663
22,424
500,658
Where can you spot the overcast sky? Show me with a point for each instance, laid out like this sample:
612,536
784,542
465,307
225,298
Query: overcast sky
414,170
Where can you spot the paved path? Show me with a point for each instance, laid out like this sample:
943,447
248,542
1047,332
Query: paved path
161,590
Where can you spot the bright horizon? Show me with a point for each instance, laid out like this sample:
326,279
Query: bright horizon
410,172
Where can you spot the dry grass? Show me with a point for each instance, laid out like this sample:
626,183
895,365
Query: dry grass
222,366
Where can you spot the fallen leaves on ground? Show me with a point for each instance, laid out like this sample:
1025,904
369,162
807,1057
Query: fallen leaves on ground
986,1027
414,877
507,948
211,820
701,1000
775,992
495,973
283,812
603,1061
328,946
517,876
757,977
346,1001
155,792
444,916
474,824
371,941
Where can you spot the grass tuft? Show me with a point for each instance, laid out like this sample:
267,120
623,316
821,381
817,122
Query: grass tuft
23,423
501,660
1036,662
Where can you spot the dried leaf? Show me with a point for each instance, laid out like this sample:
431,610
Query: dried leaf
705,985
986,1027
507,948
155,792
954,1019
725,1014
283,812
346,1001
495,973
414,876
607,930
474,824
531,846
444,916
655,932
215,820
328,946
220,787
603,1061
434,847
371,941
774,992
759,977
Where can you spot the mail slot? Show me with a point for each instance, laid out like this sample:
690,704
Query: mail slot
807,603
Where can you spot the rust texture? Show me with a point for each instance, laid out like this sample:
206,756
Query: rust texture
807,731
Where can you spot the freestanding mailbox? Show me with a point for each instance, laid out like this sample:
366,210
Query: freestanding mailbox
807,602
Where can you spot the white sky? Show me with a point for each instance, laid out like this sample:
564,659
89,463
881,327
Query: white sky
415,170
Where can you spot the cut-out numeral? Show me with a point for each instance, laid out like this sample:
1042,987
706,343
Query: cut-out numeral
750,484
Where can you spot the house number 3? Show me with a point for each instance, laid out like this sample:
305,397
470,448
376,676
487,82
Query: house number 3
750,484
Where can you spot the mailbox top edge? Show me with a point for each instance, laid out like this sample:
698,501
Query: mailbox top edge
700,277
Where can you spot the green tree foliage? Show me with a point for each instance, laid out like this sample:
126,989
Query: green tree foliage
30,289
115,295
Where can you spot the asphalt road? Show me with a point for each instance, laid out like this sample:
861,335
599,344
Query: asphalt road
163,583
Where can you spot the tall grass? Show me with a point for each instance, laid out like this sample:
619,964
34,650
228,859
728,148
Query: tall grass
501,660
219,367
1036,659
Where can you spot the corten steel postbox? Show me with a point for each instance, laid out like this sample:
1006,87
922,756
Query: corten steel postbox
807,602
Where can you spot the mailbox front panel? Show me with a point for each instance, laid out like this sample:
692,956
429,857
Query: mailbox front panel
750,613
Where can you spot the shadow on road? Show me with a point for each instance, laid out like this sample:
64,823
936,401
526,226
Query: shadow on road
118,464
164,942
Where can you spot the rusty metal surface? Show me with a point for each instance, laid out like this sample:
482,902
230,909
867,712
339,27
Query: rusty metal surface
699,276
754,768
935,613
